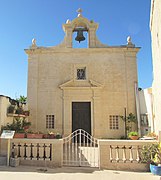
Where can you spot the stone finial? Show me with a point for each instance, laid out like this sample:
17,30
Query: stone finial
33,42
33,46
79,11
129,41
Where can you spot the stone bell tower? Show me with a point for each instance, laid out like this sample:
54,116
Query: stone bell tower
80,22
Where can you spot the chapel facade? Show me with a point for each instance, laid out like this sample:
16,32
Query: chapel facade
81,88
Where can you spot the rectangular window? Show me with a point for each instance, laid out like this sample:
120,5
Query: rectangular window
114,122
144,120
50,121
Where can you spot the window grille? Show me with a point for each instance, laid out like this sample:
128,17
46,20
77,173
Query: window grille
50,121
114,122
81,73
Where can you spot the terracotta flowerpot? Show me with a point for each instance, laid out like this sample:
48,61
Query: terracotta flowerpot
19,135
46,136
52,136
26,128
34,136
134,137
26,113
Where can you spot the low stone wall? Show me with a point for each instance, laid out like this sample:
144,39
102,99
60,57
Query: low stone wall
3,147
122,154
113,154
38,152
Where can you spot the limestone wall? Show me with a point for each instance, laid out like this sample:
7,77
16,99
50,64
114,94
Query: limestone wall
4,104
113,68
155,27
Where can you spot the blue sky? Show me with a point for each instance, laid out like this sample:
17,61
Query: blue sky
22,20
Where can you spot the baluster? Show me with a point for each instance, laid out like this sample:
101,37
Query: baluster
117,153
19,153
25,155
137,154
13,150
111,157
38,154
131,154
124,154
31,152
50,156
44,156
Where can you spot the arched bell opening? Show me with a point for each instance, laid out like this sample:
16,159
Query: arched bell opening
80,37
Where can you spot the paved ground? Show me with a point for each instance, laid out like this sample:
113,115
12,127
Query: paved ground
34,173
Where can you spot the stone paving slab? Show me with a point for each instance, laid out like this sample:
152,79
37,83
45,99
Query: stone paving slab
72,173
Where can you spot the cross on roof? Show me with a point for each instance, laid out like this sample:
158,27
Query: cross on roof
79,11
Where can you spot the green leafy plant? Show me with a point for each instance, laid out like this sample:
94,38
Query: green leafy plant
58,136
22,99
151,154
17,125
132,133
129,120
19,110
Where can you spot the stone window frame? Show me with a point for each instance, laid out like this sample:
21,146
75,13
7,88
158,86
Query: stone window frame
50,121
114,122
80,66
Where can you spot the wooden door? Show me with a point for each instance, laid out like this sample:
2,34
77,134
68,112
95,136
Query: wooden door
81,116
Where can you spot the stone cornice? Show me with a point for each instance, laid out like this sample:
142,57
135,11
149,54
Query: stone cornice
115,49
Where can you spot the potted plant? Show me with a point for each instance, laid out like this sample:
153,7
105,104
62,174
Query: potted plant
19,110
25,124
133,135
18,125
155,166
22,99
128,121
151,154
20,134
58,136
26,113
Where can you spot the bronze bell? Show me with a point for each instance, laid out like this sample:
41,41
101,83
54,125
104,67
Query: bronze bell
80,36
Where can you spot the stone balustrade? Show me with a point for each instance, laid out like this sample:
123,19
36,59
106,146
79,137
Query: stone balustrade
38,152
122,154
